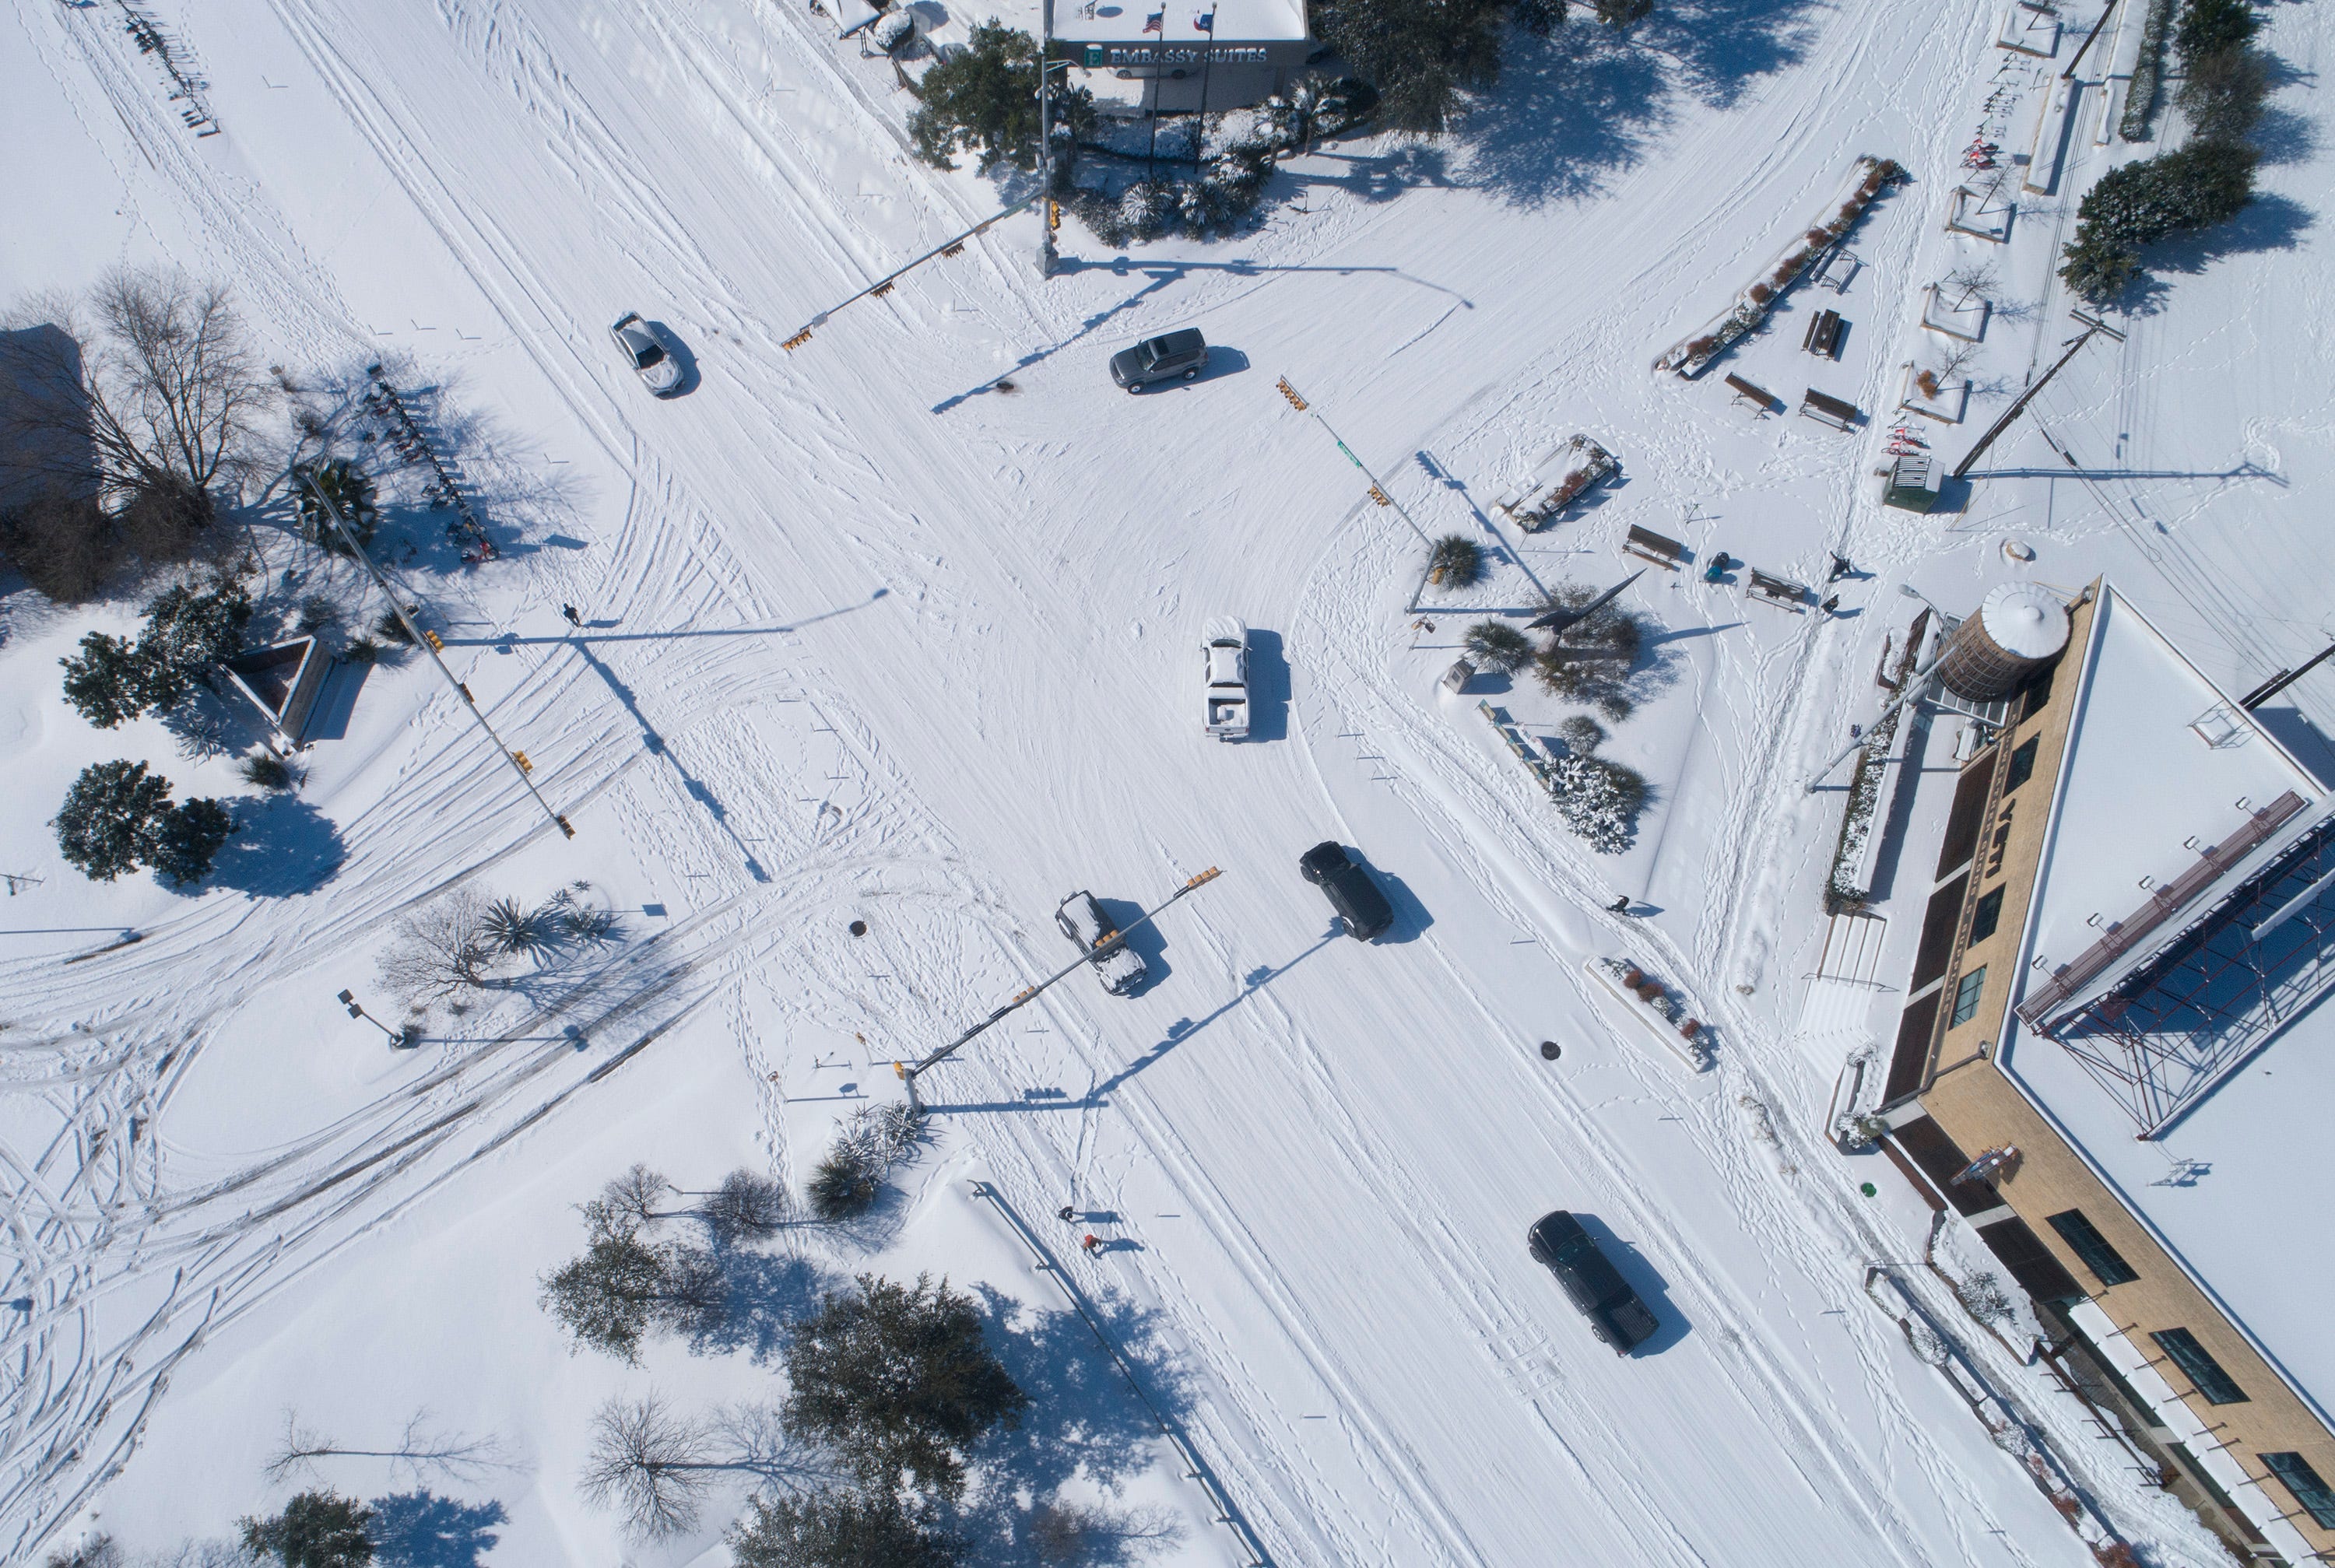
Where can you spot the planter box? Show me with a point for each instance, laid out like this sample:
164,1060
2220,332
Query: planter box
1557,480
1966,321
1946,408
1693,354
1650,1016
2028,31
1972,213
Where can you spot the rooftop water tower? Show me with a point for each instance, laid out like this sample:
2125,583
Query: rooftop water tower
2019,628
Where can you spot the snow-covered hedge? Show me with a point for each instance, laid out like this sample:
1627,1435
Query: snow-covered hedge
2147,72
1598,800
1867,179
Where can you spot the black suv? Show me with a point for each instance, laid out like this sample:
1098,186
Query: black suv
1352,894
1177,354
1615,1314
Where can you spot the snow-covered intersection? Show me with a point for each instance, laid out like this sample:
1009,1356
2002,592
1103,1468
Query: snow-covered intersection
903,625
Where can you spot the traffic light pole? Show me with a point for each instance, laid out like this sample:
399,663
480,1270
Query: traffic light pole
1379,492
428,644
910,1072
883,285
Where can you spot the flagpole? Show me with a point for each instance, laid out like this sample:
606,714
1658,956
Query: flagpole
1208,65
1151,152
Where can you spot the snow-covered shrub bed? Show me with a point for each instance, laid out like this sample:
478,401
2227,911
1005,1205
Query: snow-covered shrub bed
1842,888
1598,800
1690,1038
2147,72
1867,179
1239,151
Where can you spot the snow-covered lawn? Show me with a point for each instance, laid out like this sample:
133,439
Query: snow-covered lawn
869,636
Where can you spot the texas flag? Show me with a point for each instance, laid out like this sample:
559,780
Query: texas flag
1157,22
1203,22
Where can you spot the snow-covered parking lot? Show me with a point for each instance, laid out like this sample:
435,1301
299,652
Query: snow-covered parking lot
903,626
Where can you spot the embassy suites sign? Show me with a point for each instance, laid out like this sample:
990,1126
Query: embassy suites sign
1102,56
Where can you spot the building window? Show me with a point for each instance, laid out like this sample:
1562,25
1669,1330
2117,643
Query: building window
2204,1372
1966,994
2023,764
1988,916
2084,1240
2295,1474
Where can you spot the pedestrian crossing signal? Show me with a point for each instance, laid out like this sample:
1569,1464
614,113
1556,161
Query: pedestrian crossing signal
1379,496
435,645
797,340
1291,393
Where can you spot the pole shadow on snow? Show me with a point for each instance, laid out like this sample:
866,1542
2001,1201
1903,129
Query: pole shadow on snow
1178,1032
422,1530
1642,1277
512,640
656,746
1161,273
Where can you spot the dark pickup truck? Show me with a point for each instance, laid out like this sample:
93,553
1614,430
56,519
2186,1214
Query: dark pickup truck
1615,1314
1352,893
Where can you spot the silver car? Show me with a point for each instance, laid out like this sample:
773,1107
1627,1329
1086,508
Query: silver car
656,366
1119,968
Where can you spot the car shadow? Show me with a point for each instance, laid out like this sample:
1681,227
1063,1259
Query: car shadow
1146,941
1268,686
683,355
1410,916
1642,1277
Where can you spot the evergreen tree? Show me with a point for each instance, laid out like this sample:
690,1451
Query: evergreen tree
350,491
899,1382
106,682
315,1530
104,824
622,1288
187,632
835,1528
181,843
1598,800
2210,26
984,99
1497,645
1422,55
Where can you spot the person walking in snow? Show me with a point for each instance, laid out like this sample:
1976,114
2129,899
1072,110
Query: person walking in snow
1090,1241
573,618
1620,906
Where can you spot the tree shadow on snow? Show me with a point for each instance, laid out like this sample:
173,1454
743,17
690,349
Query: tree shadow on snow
769,1293
1083,1427
281,846
422,1530
1588,102
2269,222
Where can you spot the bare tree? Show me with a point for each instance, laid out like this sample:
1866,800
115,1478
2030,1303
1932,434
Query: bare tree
1973,281
422,1452
650,1465
746,1206
438,950
629,1202
1955,359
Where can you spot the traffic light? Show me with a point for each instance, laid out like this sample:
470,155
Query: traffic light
524,765
1291,393
1054,216
797,340
1379,496
435,645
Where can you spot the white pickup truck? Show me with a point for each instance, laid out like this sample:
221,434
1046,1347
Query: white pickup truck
1226,666
1118,966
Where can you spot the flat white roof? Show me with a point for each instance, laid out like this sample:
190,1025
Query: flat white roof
2237,1190
1178,22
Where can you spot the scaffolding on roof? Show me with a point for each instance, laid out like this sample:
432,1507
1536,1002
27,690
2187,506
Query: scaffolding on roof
2176,1027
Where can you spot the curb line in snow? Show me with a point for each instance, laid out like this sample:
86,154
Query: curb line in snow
1227,1514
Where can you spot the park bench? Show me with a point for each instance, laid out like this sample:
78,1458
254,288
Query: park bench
1827,410
1654,547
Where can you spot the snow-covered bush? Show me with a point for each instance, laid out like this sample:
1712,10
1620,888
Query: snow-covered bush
1455,561
894,30
1497,645
1581,734
336,486
1599,800
870,1141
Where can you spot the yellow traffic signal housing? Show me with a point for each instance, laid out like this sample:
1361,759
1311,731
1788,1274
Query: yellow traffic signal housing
1291,393
435,645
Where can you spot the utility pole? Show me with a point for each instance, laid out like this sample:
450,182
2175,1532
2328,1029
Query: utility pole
2091,326
910,1072
428,645
1046,141
1379,492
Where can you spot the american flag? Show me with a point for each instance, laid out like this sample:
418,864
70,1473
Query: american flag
1157,22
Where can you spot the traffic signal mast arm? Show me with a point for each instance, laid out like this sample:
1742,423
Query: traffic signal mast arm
884,284
428,645
1379,492
909,1071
